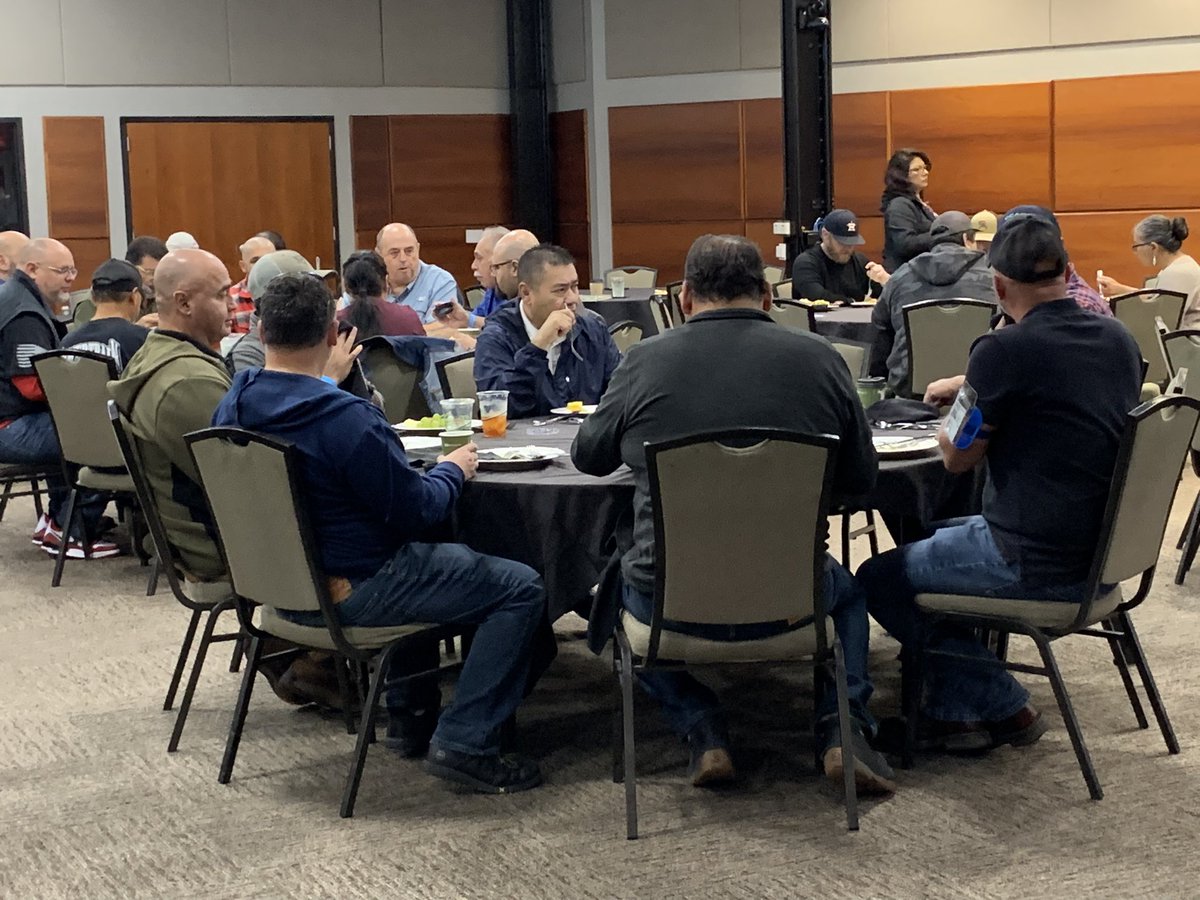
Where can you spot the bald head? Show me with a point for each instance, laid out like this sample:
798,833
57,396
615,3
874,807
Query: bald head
51,266
253,250
401,252
11,245
193,295
505,255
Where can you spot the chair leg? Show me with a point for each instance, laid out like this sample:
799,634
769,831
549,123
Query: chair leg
912,674
1122,665
366,729
341,667
239,711
185,650
1187,526
618,722
1143,667
1002,645
848,762
631,820
1068,714
8,486
239,649
1189,539
61,559
185,704
152,580
37,497
846,539
450,651
873,534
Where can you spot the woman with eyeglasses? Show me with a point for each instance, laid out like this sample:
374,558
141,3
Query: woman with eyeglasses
1158,245
906,215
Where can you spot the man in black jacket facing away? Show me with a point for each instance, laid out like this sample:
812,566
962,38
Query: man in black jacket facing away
731,366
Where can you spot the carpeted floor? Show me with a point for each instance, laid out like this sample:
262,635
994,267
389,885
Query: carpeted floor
92,806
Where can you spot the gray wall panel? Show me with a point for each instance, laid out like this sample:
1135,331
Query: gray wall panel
568,63
758,22
671,37
36,58
445,43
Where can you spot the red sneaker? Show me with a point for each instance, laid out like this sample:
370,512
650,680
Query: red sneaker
39,532
99,550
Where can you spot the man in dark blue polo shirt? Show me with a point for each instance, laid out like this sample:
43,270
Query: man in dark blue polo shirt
1054,390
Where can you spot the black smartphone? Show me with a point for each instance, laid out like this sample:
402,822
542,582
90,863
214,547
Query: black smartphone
441,310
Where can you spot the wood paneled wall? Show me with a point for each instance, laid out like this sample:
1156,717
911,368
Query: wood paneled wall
1101,152
77,189
223,181
572,211
441,175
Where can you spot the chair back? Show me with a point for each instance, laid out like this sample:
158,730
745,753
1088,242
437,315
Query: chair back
131,454
398,382
939,334
75,382
1153,449
250,485
1181,349
773,274
794,315
739,526
643,277
782,289
855,355
83,308
473,295
625,334
674,289
662,312
1137,311
456,374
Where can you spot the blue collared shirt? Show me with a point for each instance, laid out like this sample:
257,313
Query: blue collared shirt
492,301
432,285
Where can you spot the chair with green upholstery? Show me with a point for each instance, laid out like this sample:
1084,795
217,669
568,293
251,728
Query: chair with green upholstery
1156,440
1138,311
636,277
939,335
625,334
1181,350
398,382
456,374
794,314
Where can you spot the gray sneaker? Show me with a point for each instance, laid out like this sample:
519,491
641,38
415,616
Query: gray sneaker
872,774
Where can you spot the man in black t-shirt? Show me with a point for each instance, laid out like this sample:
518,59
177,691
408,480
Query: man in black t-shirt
1053,390
833,270
117,292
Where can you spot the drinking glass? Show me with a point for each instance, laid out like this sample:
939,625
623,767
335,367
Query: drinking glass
493,409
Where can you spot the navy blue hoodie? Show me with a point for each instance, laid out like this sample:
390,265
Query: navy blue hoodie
363,498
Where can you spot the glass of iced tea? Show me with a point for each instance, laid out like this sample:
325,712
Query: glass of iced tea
493,410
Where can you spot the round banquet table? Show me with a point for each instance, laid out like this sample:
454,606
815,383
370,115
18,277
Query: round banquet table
633,307
562,522
851,323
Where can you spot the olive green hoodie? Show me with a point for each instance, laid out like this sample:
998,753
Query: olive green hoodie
170,388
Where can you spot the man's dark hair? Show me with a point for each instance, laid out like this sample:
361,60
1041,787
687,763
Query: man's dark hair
724,267
274,237
110,295
534,262
364,276
295,311
141,247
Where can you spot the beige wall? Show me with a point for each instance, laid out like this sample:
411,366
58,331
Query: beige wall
330,43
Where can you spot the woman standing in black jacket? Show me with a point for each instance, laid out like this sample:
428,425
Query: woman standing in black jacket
906,215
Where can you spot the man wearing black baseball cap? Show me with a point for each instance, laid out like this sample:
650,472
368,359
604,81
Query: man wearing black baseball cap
1053,390
117,293
834,270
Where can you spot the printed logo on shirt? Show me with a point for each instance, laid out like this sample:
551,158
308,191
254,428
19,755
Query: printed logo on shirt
25,353
111,349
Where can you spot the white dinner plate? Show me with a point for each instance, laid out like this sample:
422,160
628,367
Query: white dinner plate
897,446
588,409
476,425
414,443
517,459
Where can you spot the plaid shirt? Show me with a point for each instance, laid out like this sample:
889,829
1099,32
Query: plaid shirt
243,308
1086,297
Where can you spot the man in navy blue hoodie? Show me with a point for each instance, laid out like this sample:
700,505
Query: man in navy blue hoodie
540,349
370,509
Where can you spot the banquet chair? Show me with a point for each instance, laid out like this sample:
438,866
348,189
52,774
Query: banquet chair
1181,349
12,474
939,334
399,383
281,575
755,533
1137,311
456,375
674,289
773,274
637,277
625,334
794,314
662,313
473,295
782,289
202,599
1156,438
75,385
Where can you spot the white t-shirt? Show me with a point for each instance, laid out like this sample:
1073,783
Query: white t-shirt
555,349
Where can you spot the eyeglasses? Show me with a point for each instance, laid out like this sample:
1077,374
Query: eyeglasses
64,270
1142,244
917,170
495,267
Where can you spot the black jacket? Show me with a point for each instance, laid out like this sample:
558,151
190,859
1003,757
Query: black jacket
817,277
906,221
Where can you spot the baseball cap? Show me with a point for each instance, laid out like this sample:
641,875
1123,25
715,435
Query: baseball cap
843,225
949,227
281,262
983,223
1028,246
116,275
181,240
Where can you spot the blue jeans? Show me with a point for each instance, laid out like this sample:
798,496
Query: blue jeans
31,440
687,704
960,558
453,585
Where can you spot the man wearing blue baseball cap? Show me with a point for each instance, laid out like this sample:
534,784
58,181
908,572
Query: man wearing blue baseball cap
834,270
1052,391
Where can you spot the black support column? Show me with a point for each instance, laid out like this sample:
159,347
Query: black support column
528,85
807,100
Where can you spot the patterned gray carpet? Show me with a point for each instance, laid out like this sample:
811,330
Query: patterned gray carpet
92,806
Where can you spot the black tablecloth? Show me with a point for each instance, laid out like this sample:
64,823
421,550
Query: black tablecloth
633,307
560,521
851,323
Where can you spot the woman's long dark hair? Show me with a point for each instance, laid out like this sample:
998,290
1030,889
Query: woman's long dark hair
895,179
364,276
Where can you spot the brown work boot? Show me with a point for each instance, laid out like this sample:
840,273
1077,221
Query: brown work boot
1021,729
